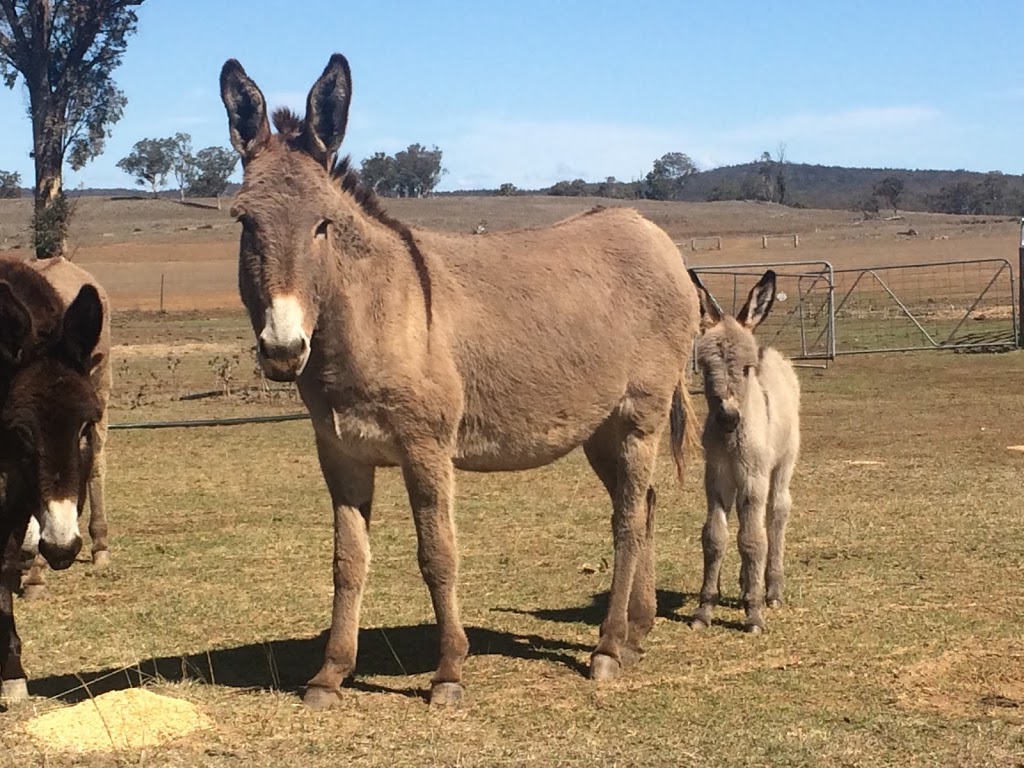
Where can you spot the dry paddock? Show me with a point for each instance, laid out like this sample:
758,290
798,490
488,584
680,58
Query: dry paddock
899,644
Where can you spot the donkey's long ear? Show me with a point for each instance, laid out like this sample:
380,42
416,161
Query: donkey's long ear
83,323
710,312
247,110
15,326
327,110
759,302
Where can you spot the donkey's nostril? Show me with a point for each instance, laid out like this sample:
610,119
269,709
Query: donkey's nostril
290,350
728,420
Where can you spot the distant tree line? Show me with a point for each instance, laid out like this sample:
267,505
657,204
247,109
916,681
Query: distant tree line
413,172
196,174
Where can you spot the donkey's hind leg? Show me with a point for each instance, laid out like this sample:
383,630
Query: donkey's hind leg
626,617
779,504
600,452
714,538
33,583
351,487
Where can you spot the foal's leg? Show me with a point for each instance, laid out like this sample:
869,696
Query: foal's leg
753,545
779,506
637,453
12,676
429,480
601,453
720,490
97,503
351,487
34,582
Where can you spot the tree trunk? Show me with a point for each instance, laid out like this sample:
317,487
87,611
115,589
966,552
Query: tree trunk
49,224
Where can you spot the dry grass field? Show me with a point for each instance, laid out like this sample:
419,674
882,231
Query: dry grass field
900,643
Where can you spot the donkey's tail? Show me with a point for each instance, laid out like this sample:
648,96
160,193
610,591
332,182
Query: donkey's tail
682,427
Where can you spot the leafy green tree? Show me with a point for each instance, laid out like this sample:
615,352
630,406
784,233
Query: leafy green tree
574,188
889,189
182,161
65,52
419,170
508,189
149,162
211,169
380,173
10,184
667,177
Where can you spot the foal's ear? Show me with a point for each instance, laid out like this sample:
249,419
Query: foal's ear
247,110
83,323
710,312
327,110
15,326
759,302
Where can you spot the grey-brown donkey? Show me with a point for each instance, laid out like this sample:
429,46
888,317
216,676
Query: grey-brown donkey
68,279
751,442
435,351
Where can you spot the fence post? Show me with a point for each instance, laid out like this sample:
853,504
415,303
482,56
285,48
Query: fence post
1020,287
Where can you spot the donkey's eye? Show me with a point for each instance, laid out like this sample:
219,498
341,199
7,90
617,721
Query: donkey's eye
747,369
85,436
321,229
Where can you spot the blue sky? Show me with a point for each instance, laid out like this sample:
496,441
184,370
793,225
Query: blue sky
535,91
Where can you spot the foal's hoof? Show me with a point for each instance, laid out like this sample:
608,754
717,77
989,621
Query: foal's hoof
753,629
101,559
629,656
446,694
603,667
12,691
696,623
34,591
319,699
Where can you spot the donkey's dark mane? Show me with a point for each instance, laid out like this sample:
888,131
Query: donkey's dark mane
290,126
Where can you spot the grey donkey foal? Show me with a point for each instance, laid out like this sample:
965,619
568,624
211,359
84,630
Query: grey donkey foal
751,441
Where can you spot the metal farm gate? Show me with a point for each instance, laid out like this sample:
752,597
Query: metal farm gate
820,312
802,322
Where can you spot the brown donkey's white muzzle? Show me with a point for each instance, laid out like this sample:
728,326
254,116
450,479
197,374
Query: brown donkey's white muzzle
59,539
283,346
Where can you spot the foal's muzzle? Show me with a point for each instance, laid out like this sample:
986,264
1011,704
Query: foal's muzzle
59,539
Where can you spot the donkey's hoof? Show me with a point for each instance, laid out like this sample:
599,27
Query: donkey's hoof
12,691
34,591
446,694
319,699
696,623
630,657
753,629
603,667
101,559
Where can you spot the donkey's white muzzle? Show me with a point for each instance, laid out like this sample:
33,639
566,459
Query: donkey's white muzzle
283,346
59,539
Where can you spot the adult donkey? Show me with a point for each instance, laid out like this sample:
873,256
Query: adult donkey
48,415
434,351
68,279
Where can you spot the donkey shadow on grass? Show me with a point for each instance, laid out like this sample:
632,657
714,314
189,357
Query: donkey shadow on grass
286,665
669,605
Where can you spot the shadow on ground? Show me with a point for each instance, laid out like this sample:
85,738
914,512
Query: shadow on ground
669,605
288,664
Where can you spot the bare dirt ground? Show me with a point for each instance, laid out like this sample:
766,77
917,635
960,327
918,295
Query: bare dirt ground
131,245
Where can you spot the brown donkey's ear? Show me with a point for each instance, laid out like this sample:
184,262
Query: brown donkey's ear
759,302
83,322
327,110
247,110
710,312
15,326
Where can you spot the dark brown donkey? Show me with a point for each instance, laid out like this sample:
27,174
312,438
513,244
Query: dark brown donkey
48,415
434,351
67,279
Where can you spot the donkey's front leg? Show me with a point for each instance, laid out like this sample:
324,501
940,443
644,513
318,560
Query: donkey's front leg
779,506
753,546
351,487
97,503
429,480
13,686
720,489
629,532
